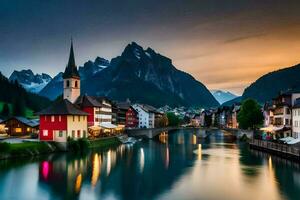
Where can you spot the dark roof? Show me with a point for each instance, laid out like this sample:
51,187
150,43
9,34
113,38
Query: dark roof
63,107
87,101
123,105
71,68
297,103
28,122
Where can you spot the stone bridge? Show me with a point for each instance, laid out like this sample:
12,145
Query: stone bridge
148,132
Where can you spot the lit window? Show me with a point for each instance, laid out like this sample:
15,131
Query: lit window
59,118
28,129
18,130
45,132
52,118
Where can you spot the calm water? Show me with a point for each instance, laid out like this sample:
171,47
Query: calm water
180,166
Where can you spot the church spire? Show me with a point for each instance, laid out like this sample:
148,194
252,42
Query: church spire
71,68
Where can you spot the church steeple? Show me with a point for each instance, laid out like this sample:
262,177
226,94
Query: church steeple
71,78
71,68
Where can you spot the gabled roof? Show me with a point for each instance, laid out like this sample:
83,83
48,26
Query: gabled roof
71,68
123,105
63,107
87,101
24,120
90,101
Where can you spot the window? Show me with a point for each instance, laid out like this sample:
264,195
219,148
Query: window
59,118
73,118
45,118
18,130
79,118
84,133
28,129
78,133
76,84
45,132
73,134
298,112
60,134
68,83
52,118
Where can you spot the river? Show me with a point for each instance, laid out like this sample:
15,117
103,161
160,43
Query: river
178,165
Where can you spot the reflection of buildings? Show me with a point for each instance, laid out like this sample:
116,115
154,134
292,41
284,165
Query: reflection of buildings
64,174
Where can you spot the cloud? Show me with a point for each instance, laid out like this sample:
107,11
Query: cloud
238,39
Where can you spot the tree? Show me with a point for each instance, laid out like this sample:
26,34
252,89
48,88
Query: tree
250,115
19,107
173,119
5,110
161,122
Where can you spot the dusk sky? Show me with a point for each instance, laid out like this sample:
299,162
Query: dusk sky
225,44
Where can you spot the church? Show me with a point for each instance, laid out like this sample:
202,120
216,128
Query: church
71,116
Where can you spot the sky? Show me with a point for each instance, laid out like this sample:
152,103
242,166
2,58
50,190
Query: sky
225,44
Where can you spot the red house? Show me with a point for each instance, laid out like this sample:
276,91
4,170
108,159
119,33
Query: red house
62,120
132,119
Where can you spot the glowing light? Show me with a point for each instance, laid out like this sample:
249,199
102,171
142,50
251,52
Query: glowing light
199,152
142,160
163,137
96,169
194,139
78,183
45,169
108,164
167,160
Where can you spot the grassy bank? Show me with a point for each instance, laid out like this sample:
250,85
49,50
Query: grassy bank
26,149
104,142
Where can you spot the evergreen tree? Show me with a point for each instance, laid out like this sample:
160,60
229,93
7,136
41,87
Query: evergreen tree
5,110
19,107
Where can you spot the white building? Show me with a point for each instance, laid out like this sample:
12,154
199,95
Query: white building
296,118
146,115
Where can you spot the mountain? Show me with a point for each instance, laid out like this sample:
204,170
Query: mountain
271,84
91,68
13,92
55,87
30,81
236,100
148,77
222,96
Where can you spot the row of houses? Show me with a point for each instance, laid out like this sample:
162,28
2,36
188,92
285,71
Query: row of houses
282,115
223,117
78,116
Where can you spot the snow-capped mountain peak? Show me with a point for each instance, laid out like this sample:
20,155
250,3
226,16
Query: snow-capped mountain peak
30,81
223,96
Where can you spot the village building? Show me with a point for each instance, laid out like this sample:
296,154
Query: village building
196,120
20,126
61,121
146,115
132,118
234,114
278,115
122,108
296,119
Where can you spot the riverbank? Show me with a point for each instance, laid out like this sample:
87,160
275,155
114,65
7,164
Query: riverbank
32,149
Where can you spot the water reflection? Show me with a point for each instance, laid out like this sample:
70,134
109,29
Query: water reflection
178,165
